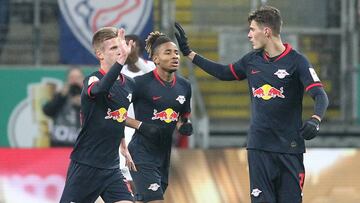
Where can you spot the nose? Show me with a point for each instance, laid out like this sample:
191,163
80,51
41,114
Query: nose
175,56
249,35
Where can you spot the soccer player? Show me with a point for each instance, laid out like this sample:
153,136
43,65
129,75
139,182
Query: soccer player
94,168
162,99
277,77
134,66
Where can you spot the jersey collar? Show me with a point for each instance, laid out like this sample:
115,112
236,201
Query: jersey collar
122,77
288,48
161,81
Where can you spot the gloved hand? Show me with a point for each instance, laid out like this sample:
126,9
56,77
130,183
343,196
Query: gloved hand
310,128
182,40
186,128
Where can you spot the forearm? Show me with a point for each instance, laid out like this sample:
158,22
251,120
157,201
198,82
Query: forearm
132,123
107,81
321,102
123,147
217,70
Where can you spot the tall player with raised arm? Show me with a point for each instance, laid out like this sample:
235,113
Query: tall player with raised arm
277,77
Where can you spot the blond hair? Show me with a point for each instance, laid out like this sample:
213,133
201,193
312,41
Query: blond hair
102,35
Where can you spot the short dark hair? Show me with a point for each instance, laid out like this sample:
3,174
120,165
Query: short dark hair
267,16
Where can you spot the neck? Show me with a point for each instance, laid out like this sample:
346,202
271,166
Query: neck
133,68
274,47
105,67
165,76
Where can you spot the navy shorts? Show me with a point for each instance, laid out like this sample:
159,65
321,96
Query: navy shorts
275,177
85,184
150,183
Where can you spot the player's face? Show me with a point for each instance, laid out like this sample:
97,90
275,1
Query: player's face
110,51
167,57
257,35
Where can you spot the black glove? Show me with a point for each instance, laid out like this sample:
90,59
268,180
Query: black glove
310,129
182,40
186,128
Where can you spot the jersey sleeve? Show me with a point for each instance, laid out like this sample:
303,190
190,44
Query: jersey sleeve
96,86
238,69
187,107
307,74
89,82
220,71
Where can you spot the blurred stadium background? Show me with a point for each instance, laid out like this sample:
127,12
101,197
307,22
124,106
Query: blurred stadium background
41,39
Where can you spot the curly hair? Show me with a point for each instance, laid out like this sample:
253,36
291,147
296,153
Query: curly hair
153,40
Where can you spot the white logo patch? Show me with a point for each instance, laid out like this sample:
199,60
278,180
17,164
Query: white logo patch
92,79
314,75
129,97
154,187
256,192
281,73
181,99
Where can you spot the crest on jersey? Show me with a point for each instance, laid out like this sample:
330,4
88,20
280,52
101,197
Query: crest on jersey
154,187
256,192
281,73
181,99
84,17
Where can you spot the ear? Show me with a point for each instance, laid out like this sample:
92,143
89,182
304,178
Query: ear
99,55
156,59
267,31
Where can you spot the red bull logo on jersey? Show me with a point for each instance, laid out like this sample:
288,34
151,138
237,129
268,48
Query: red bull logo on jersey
119,115
267,92
168,115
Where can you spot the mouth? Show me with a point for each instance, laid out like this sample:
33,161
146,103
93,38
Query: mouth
175,63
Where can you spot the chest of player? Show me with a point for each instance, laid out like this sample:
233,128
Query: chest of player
163,97
271,80
116,102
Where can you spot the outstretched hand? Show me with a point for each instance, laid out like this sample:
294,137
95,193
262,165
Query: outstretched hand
182,40
125,47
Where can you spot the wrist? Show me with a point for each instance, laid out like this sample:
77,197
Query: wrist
316,117
191,55
138,127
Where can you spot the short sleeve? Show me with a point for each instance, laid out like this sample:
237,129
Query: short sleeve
239,68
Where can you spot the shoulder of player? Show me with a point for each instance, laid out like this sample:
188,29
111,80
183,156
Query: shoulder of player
182,81
144,78
94,76
129,80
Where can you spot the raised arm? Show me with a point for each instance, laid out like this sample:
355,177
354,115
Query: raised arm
220,71
110,77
